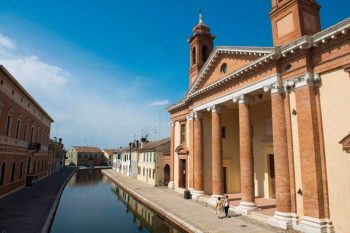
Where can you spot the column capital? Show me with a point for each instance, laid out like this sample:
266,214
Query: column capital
171,123
214,108
277,87
242,99
197,114
308,79
189,117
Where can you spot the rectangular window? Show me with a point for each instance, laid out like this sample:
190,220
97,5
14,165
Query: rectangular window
183,134
143,171
25,132
17,128
8,126
223,132
154,173
32,135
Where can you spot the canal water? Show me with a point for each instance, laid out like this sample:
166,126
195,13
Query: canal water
92,203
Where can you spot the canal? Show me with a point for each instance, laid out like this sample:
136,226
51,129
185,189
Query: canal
91,203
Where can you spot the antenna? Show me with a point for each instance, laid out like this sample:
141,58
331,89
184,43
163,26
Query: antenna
57,130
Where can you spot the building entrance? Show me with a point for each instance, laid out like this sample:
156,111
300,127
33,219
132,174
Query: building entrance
271,171
183,172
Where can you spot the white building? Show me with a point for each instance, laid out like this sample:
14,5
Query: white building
150,162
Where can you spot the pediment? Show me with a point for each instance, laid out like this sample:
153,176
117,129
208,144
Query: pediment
182,150
346,143
234,58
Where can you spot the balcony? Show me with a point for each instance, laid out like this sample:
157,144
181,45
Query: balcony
34,146
13,142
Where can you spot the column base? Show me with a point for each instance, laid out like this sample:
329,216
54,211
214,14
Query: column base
246,208
171,185
196,194
213,199
315,225
283,220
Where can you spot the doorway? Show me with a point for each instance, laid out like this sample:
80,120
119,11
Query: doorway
183,172
271,170
225,179
166,175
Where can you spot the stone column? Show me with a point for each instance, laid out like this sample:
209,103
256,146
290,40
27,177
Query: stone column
216,153
171,184
283,216
312,171
198,156
246,157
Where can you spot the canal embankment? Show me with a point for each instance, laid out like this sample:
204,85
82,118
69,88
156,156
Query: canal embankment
188,215
31,209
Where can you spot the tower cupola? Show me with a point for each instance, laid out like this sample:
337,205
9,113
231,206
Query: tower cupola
201,45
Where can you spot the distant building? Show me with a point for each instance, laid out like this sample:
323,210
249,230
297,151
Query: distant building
150,162
56,155
134,152
24,135
117,164
108,154
125,161
85,156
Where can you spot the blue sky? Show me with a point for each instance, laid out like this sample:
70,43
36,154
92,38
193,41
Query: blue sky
105,70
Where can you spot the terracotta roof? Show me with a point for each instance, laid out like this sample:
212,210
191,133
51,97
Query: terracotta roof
346,139
86,149
154,144
120,150
110,151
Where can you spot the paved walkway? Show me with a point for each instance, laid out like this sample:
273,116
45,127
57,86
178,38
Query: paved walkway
27,209
187,213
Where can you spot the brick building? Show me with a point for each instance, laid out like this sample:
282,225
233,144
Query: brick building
270,123
85,156
24,135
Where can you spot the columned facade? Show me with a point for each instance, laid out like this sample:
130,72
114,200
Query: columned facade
269,125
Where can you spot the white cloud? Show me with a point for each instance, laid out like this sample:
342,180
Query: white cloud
6,42
85,114
159,103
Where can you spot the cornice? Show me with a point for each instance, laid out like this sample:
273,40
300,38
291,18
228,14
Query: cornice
303,43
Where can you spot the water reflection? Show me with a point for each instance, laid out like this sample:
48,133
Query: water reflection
92,203
143,216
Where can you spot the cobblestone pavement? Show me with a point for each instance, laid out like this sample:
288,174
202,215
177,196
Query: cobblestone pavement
26,210
199,217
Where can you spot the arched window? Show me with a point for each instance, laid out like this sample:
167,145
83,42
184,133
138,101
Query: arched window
13,171
2,173
9,122
194,55
21,170
18,126
25,130
37,134
32,133
204,53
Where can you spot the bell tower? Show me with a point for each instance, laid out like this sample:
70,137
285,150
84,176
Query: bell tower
292,19
201,46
